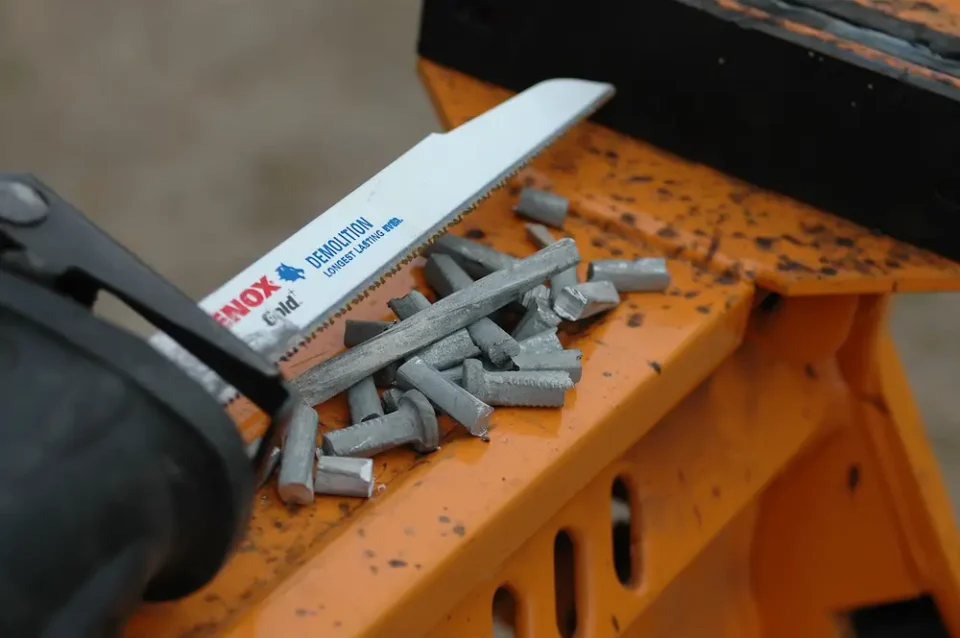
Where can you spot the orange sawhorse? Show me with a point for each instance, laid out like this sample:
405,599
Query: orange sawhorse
752,425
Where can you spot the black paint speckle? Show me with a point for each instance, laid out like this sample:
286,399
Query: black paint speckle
691,294
846,242
853,477
667,232
635,320
344,508
810,371
639,179
764,243
611,155
829,271
656,366
703,310
726,278
785,264
615,623
459,530
607,374
475,233
628,218
443,519
396,562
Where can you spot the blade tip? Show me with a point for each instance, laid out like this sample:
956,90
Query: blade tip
578,85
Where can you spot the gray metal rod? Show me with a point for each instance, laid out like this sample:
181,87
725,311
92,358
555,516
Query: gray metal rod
295,483
331,377
445,276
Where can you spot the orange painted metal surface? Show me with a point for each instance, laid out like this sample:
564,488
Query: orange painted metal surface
768,452
697,213
761,506
465,508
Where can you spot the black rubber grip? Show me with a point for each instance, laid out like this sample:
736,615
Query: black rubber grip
108,493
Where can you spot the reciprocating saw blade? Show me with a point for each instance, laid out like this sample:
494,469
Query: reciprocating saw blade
299,287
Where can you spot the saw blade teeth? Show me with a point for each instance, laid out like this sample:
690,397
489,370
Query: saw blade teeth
327,322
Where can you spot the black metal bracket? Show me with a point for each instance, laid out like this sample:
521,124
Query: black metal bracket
45,237
847,115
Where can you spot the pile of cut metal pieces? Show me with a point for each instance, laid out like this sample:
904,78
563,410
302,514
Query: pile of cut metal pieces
460,356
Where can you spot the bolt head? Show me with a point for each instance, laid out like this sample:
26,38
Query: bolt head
429,428
20,204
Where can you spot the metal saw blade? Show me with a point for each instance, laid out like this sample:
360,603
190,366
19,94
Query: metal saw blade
294,290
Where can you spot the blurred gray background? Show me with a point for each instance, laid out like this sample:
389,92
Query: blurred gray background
200,134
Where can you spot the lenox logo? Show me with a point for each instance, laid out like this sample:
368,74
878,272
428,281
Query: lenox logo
242,304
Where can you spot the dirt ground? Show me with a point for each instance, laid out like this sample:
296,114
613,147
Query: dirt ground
200,134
